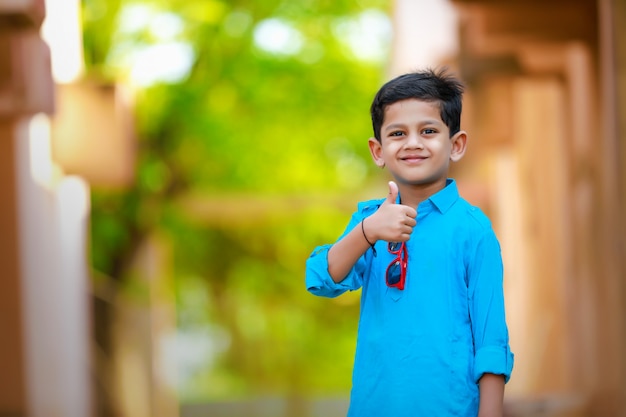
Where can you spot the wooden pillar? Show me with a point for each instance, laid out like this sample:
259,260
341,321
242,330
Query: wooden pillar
612,56
145,383
540,140
12,379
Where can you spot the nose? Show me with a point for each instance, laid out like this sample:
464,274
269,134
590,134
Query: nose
414,141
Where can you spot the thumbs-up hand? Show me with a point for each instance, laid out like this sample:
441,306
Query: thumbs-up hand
393,193
392,222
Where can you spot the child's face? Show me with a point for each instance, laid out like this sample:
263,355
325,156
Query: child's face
415,143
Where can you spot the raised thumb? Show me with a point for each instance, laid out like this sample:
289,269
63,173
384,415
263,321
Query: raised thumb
393,193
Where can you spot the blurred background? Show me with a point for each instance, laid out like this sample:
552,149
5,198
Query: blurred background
167,166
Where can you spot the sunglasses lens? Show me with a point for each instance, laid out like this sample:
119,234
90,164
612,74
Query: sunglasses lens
393,273
394,246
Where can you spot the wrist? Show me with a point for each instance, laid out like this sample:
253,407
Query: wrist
370,241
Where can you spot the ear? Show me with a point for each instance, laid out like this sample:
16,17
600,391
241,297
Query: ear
459,145
376,149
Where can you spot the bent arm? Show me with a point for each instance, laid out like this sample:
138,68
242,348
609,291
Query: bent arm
391,222
345,252
347,273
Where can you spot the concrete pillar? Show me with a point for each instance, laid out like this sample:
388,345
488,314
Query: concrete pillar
25,87
52,222
44,296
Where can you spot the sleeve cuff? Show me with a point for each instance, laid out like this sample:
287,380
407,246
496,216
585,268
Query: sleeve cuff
319,282
496,360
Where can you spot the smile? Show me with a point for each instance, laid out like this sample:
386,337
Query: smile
413,159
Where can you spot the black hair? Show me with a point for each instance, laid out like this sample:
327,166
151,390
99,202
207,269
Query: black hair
429,85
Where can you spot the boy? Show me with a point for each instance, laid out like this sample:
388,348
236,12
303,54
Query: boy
432,338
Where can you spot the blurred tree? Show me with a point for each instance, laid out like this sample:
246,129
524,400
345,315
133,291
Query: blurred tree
252,120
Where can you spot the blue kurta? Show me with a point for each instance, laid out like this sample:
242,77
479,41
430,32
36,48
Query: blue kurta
421,351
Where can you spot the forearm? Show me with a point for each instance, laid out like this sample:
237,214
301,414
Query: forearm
491,389
344,253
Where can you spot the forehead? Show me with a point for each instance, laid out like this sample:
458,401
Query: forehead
412,110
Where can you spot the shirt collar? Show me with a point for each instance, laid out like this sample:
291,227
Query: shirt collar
445,198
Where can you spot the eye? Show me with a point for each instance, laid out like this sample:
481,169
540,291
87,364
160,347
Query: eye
396,133
429,131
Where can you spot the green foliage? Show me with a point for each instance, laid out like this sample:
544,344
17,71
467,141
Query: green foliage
231,157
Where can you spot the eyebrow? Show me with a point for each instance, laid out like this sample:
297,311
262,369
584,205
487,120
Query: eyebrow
393,126
423,122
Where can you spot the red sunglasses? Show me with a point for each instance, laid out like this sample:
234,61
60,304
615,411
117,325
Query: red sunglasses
395,275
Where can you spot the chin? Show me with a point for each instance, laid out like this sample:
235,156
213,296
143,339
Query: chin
420,182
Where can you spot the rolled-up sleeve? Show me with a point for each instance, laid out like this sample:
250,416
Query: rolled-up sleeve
319,281
485,284
493,360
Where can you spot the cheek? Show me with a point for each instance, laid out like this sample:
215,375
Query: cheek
445,148
390,147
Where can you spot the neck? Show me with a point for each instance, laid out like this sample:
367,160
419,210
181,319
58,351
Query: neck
413,195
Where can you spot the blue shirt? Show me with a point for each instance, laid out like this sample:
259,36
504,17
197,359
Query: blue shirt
421,351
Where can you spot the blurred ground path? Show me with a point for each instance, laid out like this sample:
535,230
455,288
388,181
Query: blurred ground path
544,406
